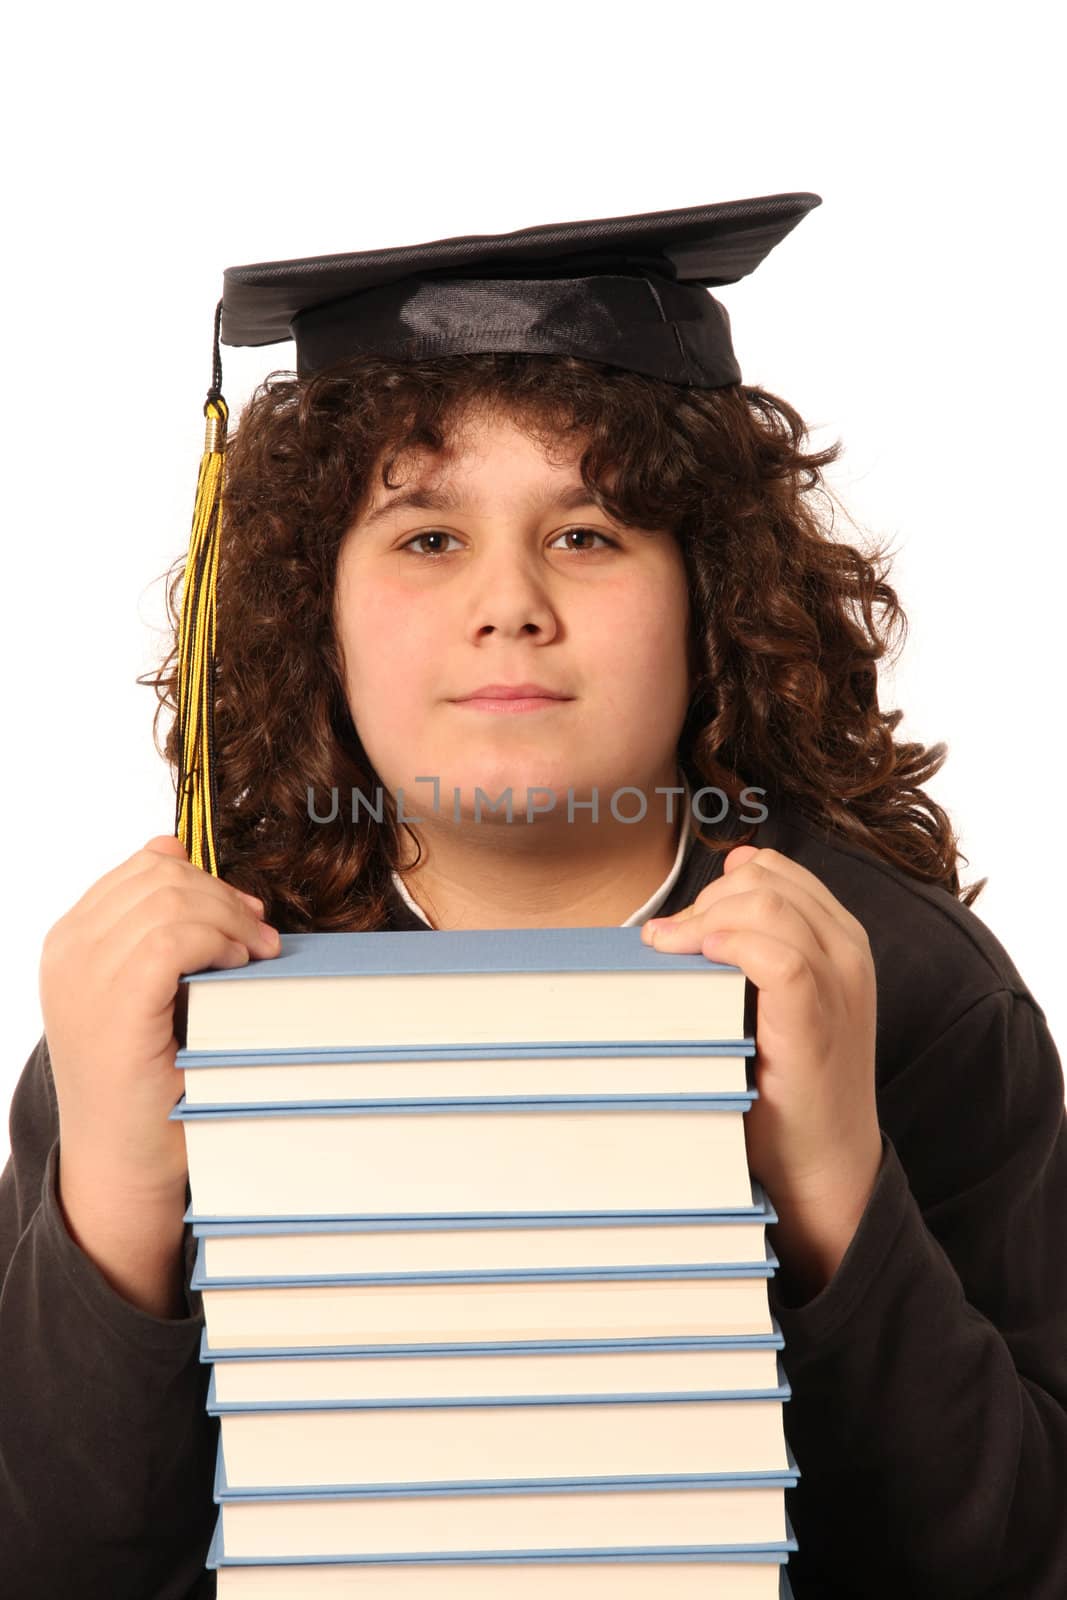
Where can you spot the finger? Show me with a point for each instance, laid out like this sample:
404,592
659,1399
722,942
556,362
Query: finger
739,855
133,865
165,953
748,910
778,966
773,861
167,845
706,896
150,859
140,943
692,910
143,860
775,896
174,896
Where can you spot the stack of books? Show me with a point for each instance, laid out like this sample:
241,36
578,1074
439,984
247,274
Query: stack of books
484,1271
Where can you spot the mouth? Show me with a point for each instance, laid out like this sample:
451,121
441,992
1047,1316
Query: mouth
513,705
515,698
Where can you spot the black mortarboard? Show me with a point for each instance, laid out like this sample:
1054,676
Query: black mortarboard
631,292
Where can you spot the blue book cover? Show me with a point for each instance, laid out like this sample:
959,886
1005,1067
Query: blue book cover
718,1341
762,1211
478,1219
733,1269
509,1402
781,1392
187,1059
738,1100
708,1105
779,1552
479,950
786,1478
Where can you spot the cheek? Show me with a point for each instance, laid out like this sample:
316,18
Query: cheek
642,627
640,667
390,649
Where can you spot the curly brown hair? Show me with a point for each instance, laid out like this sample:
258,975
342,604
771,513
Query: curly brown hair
783,642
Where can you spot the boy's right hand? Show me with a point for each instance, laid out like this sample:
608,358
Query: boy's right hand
108,982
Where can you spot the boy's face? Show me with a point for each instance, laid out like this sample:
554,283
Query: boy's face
502,594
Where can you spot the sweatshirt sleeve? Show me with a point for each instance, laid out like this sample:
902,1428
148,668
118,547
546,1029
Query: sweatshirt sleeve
929,1376
107,1452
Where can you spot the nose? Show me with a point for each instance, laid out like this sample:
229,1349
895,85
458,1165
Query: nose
509,595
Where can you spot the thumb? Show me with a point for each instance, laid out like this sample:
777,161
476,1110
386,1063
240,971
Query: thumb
739,856
168,844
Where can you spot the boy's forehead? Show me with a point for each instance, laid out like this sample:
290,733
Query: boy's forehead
563,493
443,476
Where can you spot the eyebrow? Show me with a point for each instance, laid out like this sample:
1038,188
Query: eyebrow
444,500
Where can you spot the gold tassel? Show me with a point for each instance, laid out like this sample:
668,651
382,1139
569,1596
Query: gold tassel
197,796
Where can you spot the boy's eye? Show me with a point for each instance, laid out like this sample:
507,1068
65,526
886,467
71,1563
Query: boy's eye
439,533
571,532
434,533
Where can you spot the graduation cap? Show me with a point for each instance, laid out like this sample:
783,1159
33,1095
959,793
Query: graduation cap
631,292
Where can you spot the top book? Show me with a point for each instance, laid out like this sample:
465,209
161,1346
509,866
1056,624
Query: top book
500,988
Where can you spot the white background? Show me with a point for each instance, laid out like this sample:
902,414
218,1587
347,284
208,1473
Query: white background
915,314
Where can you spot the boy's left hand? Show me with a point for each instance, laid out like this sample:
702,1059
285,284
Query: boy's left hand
813,1136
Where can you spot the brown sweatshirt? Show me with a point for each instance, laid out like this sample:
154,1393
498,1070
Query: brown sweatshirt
929,1377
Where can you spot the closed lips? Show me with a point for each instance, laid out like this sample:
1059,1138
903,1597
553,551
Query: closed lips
514,691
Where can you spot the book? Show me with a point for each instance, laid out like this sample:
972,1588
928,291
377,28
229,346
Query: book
419,1444
732,1575
500,1306
282,1077
484,1271
497,987
234,1250
478,1372
486,1158
679,1513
